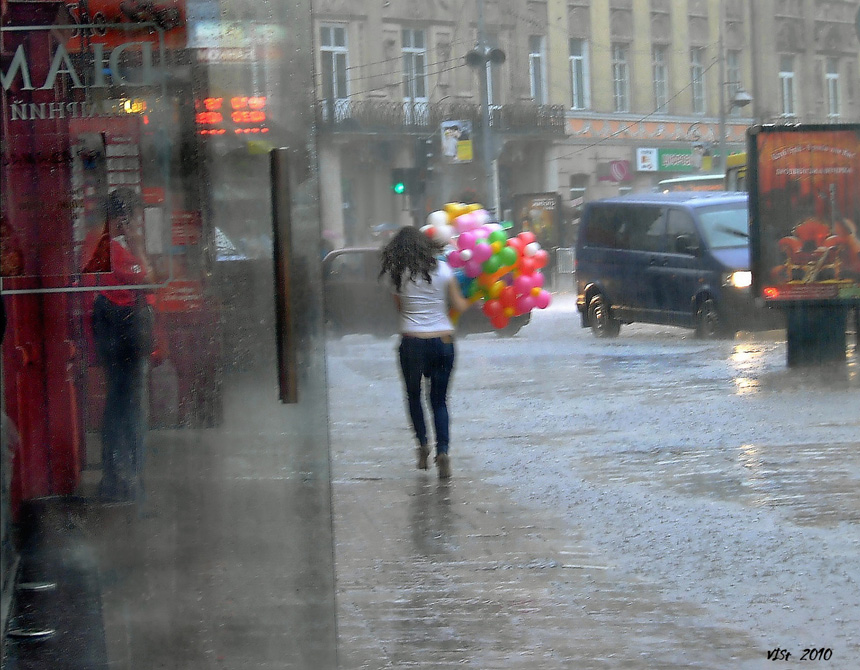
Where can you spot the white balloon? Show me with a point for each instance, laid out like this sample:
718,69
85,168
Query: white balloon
466,254
443,233
427,227
531,248
438,218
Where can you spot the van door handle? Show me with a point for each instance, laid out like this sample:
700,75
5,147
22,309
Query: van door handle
288,391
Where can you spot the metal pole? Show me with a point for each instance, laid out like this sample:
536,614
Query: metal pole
489,177
721,90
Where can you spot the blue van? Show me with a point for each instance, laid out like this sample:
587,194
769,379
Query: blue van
680,258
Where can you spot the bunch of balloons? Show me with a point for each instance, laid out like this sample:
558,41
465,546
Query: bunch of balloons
503,272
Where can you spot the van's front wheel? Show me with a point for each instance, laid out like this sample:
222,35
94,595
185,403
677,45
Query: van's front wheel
602,323
709,323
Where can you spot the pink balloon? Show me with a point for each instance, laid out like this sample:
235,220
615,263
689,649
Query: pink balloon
455,260
525,303
537,280
482,216
523,284
466,222
466,240
482,252
472,268
543,299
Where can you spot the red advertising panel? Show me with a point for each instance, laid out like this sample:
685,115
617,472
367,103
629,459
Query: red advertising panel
805,208
155,16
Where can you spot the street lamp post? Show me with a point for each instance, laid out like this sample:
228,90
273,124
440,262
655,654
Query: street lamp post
740,98
481,58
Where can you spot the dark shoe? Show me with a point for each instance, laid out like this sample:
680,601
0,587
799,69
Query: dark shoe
423,455
443,463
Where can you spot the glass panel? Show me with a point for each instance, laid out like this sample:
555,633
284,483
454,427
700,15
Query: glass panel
140,364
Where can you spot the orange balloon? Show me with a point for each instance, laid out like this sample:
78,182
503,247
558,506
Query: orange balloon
509,312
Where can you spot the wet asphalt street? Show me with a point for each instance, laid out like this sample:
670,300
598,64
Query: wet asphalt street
651,501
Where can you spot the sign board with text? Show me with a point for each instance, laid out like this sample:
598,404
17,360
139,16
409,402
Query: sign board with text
804,185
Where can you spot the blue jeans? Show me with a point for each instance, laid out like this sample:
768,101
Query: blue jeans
432,358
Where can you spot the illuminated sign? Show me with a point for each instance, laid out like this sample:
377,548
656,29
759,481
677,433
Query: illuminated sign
239,115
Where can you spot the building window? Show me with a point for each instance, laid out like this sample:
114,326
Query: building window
733,77
333,56
414,65
660,69
537,71
832,83
579,75
697,79
786,85
578,189
621,77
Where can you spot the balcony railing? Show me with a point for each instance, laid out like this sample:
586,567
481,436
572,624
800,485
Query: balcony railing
378,116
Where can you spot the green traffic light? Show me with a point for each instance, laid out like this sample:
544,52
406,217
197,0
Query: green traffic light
399,188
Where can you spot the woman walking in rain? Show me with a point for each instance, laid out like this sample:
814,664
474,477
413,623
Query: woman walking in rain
424,287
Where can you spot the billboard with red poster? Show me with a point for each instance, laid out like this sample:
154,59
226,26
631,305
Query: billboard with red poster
126,21
805,212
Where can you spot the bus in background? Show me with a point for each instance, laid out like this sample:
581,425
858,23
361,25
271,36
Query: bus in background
693,182
736,172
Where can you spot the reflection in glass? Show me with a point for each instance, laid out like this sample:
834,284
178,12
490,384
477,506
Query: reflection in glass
227,558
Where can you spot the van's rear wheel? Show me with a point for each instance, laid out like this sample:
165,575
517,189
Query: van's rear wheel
602,323
709,323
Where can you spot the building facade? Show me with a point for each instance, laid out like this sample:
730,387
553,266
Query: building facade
593,98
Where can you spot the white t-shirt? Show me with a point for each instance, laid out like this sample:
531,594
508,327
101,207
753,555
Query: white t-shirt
423,306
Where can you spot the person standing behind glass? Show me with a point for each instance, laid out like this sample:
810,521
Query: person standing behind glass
122,329
424,287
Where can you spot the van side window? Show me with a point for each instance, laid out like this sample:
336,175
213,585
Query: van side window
647,227
604,226
681,231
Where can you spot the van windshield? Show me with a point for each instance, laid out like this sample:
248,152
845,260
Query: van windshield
725,226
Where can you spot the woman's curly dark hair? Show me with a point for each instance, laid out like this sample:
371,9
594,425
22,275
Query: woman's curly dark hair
410,251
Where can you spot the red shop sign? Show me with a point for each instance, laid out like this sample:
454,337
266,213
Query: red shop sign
167,15
186,228
180,295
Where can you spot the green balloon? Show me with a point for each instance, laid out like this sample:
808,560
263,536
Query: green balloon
492,264
507,256
498,236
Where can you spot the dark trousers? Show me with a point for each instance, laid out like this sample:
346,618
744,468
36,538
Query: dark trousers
432,358
124,422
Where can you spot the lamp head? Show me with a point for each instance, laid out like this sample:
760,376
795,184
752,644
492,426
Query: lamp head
741,98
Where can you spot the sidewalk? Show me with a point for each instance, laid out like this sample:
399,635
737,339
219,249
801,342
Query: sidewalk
437,574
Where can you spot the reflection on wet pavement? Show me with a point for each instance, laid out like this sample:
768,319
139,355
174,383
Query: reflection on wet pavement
790,477
651,501
437,575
